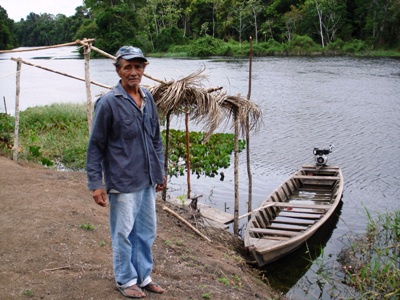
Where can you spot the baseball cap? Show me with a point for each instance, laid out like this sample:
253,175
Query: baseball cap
129,52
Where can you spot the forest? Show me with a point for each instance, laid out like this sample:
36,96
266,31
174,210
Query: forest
216,27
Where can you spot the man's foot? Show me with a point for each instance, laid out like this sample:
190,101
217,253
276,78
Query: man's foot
132,291
154,288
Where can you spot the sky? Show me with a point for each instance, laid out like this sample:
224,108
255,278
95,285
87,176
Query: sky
17,9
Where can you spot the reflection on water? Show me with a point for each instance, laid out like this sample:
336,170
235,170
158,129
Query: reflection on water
306,102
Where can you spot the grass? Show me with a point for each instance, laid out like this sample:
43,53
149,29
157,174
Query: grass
87,227
28,292
368,267
57,135
372,263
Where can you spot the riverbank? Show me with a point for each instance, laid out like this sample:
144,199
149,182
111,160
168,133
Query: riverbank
55,245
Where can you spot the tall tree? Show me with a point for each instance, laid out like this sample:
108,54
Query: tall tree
255,7
326,16
7,36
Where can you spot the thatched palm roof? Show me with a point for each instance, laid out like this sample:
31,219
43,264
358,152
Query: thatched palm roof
207,107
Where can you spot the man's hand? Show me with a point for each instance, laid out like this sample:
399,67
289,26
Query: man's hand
100,196
160,187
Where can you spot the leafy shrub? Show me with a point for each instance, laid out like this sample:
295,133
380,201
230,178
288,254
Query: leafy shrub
168,37
205,46
301,45
205,158
354,46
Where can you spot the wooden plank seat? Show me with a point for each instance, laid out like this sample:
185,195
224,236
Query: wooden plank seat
286,220
312,167
283,226
301,205
273,232
312,177
299,215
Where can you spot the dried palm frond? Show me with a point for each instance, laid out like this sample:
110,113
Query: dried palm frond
207,107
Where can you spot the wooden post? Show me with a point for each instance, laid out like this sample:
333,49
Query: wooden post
249,175
166,155
89,108
187,149
236,176
16,125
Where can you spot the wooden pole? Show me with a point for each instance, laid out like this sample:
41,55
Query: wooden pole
236,176
17,93
43,48
187,149
89,107
166,154
60,73
186,223
257,209
249,175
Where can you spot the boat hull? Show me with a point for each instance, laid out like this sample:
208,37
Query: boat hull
293,213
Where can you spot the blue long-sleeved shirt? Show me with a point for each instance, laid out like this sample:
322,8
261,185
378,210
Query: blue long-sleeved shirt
125,143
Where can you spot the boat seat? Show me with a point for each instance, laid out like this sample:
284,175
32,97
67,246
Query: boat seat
312,177
273,232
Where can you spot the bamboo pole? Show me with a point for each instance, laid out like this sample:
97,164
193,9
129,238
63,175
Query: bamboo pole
255,210
85,43
186,223
60,73
249,175
16,120
43,48
236,176
89,107
187,149
166,154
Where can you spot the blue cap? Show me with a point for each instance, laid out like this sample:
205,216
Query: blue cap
129,52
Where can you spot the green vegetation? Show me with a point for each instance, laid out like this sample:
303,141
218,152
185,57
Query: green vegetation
87,227
372,262
224,280
222,27
28,293
206,296
54,134
206,158
58,135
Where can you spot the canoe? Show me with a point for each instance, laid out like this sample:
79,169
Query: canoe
293,212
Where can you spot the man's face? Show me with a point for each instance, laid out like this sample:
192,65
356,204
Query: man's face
131,72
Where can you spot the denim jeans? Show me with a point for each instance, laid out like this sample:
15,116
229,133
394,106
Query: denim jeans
133,231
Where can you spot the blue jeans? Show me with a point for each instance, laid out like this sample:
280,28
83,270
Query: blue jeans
133,231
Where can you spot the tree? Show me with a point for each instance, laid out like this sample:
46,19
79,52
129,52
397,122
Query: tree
240,19
255,7
7,36
326,16
291,18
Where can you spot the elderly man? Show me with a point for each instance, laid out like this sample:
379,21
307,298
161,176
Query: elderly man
125,145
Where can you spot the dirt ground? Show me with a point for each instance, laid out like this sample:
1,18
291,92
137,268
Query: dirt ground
47,251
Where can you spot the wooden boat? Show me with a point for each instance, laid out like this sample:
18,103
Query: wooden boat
293,212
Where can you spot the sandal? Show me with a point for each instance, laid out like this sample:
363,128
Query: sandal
154,288
132,291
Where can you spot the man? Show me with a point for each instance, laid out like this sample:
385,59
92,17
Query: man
125,145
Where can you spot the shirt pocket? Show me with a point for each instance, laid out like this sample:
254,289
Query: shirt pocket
129,127
151,126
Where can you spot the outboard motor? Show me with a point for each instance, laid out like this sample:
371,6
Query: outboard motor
321,156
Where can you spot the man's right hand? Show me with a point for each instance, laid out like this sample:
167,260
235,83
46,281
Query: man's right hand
100,196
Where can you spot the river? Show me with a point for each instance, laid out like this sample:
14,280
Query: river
306,102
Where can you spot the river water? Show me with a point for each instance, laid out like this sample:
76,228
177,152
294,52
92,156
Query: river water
306,102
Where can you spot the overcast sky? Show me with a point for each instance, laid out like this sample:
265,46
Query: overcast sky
17,9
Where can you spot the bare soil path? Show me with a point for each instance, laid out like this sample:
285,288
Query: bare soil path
46,251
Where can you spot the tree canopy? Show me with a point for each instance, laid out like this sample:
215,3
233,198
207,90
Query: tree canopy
157,25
